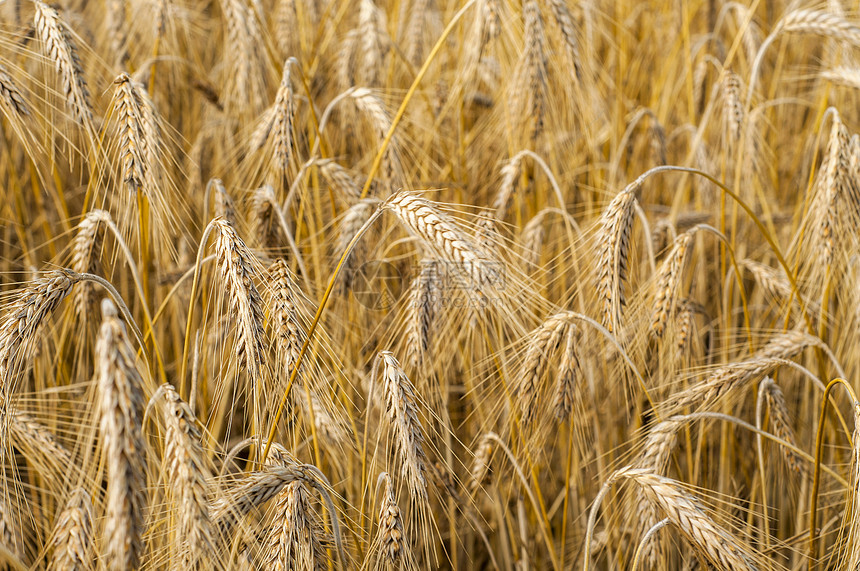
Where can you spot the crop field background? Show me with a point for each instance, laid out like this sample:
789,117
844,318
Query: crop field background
429,284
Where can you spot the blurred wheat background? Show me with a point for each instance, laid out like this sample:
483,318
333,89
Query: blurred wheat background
429,284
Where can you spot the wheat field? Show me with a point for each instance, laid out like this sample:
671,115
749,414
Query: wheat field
429,284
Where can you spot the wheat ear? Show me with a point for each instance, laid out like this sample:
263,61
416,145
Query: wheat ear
186,477
121,407
73,535
613,243
437,230
669,282
422,309
60,48
403,415
390,536
567,389
481,471
780,418
23,320
236,268
295,537
732,377
86,249
11,98
543,341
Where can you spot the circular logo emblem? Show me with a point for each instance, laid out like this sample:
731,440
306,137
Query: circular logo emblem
377,285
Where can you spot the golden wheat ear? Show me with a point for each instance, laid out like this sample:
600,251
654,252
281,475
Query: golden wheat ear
188,473
121,405
73,542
